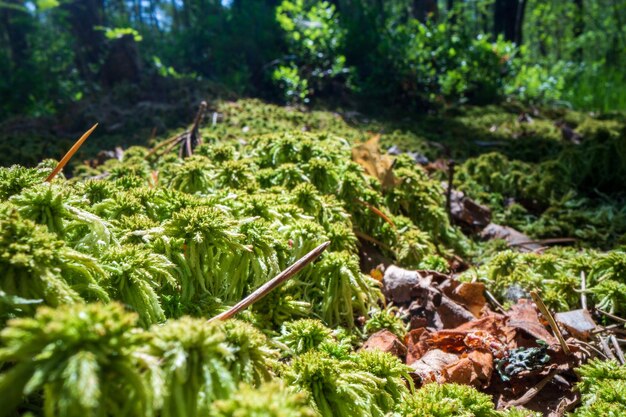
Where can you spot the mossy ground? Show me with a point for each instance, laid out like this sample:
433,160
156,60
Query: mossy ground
171,238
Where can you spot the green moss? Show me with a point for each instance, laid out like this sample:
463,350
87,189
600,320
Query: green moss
270,400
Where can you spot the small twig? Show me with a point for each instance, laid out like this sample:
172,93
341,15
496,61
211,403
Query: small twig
173,139
607,349
592,347
566,405
532,392
193,139
611,316
583,288
449,190
495,302
544,241
377,212
375,241
555,327
70,153
618,349
602,329
266,288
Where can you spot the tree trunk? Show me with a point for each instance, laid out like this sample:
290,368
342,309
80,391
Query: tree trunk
84,16
579,27
505,18
519,21
16,25
424,10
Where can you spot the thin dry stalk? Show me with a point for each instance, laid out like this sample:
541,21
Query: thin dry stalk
451,165
269,286
607,349
604,329
555,327
618,349
532,392
377,212
583,288
495,302
611,316
70,153
174,139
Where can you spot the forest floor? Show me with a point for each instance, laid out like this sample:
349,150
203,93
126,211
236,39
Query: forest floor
472,220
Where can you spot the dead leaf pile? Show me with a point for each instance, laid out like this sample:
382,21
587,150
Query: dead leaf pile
455,337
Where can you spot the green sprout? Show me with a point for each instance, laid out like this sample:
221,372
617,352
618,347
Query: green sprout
304,335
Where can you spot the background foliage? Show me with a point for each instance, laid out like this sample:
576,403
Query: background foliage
422,53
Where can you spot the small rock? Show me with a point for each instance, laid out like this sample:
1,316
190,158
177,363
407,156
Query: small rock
397,284
577,322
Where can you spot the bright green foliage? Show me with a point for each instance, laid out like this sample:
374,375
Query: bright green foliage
397,384
345,292
79,358
448,400
270,400
413,247
253,358
336,387
209,237
385,319
15,178
193,356
603,389
56,207
191,176
557,273
304,335
38,266
315,39
136,276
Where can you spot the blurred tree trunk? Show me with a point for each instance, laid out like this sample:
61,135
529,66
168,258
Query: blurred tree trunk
424,10
509,19
16,24
579,27
84,16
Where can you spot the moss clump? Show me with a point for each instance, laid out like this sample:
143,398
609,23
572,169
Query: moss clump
76,359
385,319
603,389
270,400
434,400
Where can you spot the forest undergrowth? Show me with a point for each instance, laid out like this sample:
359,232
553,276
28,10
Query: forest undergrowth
111,274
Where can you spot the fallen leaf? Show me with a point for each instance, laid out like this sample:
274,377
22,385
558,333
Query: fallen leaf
385,341
452,314
523,316
429,366
416,344
469,294
474,369
377,165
